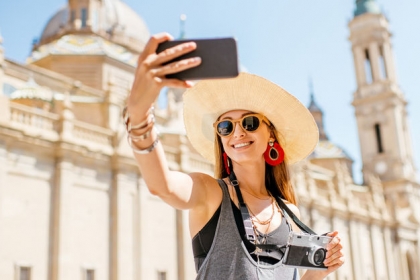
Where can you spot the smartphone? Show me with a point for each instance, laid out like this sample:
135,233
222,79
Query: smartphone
219,59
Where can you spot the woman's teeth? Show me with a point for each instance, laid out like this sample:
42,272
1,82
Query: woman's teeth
242,145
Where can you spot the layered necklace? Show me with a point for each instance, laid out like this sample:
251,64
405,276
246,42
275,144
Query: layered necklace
262,239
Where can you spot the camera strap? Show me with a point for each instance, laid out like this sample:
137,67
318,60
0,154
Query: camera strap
295,219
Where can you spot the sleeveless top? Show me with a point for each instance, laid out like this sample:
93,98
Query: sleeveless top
202,241
228,257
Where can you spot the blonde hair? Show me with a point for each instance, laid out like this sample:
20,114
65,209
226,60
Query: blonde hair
277,178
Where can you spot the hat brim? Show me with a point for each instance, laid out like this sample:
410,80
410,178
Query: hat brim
296,128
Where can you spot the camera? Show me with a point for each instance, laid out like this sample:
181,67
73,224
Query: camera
306,251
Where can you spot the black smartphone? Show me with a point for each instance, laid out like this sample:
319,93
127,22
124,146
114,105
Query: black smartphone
219,59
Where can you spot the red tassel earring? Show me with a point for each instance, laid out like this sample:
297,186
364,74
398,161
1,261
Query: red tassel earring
274,155
226,163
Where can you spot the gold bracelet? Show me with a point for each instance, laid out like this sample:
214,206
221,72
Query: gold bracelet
129,127
143,151
141,137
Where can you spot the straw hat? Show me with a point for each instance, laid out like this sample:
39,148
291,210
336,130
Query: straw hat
209,99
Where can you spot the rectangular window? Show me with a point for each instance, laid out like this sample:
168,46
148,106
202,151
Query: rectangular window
368,68
84,17
378,138
24,273
161,275
90,274
382,65
72,16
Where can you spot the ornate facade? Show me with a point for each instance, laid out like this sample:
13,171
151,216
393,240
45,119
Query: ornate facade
72,201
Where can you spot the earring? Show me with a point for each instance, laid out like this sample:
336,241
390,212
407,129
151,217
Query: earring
226,163
274,155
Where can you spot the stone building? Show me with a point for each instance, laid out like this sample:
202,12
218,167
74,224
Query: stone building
72,201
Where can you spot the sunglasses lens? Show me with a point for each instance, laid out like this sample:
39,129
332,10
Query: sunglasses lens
251,123
225,128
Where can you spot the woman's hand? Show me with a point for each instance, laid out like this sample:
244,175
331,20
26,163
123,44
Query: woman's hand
335,257
150,73
333,260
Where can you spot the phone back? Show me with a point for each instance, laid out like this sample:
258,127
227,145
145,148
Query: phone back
219,59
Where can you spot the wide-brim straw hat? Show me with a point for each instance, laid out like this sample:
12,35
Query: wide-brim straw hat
206,101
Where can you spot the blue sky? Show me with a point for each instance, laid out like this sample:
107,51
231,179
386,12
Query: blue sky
288,42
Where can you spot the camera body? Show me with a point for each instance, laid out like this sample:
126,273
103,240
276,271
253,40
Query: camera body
306,251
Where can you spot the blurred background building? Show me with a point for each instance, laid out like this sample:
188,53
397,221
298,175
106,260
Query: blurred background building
72,201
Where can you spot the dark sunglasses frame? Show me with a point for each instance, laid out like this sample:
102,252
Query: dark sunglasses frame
261,118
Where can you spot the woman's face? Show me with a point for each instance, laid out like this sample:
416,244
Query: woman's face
243,146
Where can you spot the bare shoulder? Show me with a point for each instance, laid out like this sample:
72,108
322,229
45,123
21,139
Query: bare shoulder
293,208
202,180
209,196
207,186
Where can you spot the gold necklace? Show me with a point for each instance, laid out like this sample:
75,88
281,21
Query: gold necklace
258,220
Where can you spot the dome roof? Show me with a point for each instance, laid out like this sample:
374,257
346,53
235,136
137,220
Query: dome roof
113,20
327,149
366,6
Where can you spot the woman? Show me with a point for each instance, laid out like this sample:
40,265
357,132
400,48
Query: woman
245,126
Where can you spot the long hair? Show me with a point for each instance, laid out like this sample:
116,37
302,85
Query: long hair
277,178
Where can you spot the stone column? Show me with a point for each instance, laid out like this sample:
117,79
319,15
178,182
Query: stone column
114,223
60,217
60,204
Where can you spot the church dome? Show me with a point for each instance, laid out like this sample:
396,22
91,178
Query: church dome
111,19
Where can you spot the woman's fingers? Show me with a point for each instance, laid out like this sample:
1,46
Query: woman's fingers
334,256
174,52
153,43
176,66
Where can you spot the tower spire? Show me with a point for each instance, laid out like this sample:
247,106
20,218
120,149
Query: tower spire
316,113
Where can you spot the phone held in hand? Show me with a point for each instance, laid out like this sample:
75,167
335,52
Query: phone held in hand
219,59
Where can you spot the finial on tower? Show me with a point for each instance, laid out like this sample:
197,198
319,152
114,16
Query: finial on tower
366,6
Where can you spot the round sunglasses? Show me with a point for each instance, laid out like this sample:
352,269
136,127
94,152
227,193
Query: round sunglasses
249,123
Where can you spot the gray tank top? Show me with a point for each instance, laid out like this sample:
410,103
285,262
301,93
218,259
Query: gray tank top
228,258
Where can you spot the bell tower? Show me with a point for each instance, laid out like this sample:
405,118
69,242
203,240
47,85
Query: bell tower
379,103
82,14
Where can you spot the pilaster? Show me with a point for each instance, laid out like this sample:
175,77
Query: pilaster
60,233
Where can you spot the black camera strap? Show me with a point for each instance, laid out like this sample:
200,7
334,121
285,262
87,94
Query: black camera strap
295,219
249,230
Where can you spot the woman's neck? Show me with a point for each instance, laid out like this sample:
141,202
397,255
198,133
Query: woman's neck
251,177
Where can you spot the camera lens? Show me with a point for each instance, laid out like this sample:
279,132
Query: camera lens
317,256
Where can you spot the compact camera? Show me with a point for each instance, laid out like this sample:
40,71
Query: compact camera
306,251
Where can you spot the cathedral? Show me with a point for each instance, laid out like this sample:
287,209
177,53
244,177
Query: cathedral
73,205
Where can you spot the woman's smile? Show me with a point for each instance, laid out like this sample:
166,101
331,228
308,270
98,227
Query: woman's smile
241,145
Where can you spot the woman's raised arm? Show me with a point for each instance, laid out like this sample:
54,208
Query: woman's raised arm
175,188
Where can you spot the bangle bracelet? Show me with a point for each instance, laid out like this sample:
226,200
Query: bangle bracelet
141,137
143,151
150,119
